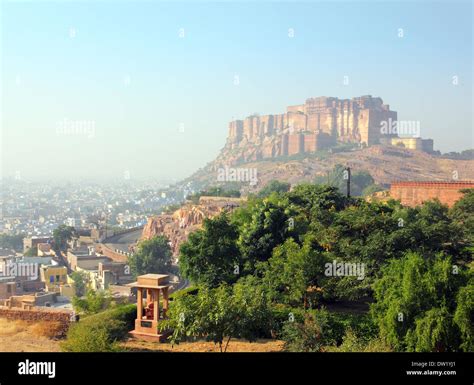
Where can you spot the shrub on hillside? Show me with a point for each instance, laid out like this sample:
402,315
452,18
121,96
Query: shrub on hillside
100,332
309,336
359,343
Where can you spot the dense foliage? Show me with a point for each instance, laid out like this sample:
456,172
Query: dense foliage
218,314
14,242
425,304
100,332
362,183
274,186
153,256
93,302
61,236
413,265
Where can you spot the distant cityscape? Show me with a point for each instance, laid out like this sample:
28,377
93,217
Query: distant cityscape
36,209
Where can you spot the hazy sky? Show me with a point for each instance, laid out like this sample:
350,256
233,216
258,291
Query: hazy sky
94,89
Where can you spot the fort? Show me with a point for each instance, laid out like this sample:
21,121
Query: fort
319,123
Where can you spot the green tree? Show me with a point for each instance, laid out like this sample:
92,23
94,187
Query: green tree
416,299
31,252
338,178
209,315
463,214
62,235
210,255
316,203
371,189
274,186
293,269
14,242
268,227
219,314
464,315
153,256
94,302
80,282
312,335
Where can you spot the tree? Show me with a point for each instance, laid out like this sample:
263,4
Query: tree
14,242
317,203
291,270
209,315
268,227
371,189
94,302
219,314
31,252
252,304
153,256
80,283
62,235
274,186
359,180
210,255
309,336
463,214
464,316
416,300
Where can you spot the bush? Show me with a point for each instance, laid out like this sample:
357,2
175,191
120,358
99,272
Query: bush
352,342
100,332
311,335
315,330
94,302
48,329
282,314
192,290
359,324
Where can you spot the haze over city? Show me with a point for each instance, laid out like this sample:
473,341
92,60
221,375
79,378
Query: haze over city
148,89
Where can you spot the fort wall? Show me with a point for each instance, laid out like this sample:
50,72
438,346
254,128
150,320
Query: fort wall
415,193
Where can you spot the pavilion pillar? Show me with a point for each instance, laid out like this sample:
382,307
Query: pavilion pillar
139,303
165,301
156,305
148,296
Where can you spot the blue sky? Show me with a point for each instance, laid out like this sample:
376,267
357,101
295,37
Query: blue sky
160,102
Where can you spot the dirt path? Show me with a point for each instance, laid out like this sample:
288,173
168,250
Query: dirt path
203,346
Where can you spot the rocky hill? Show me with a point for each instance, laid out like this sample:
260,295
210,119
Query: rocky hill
385,164
307,140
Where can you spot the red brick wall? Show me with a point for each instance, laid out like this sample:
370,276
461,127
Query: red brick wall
415,193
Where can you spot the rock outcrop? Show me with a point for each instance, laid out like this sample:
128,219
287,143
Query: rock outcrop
177,226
